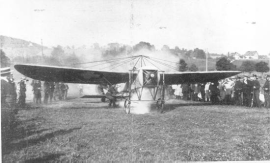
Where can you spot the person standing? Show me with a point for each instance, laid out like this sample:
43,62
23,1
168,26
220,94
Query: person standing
214,92
66,90
207,91
266,88
56,93
247,90
238,88
51,91
256,91
192,92
185,90
33,89
62,91
22,94
80,89
46,87
12,94
37,91
110,95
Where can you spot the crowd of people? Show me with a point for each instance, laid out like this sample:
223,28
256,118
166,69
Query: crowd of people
13,94
241,91
52,91
245,91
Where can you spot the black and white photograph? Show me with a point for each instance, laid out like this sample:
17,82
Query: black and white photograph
135,80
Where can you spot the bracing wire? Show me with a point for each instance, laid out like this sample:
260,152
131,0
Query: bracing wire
122,63
136,62
118,64
143,61
123,60
152,64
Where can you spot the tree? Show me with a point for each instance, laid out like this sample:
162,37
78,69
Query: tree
261,67
183,65
114,49
5,61
58,54
188,54
143,45
73,60
165,48
193,67
247,66
199,53
223,64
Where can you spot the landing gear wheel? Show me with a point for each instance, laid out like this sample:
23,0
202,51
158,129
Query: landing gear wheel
160,105
127,106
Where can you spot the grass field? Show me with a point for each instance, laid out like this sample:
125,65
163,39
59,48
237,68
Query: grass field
81,131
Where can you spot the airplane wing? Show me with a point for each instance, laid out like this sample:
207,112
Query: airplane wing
196,77
84,76
71,75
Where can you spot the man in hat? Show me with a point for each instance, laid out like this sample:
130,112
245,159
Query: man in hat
37,91
256,91
247,89
46,87
185,90
238,88
52,86
5,72
214,92
12,91
22,94
110,95
266,88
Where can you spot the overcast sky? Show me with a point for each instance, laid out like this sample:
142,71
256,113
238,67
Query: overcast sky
219,26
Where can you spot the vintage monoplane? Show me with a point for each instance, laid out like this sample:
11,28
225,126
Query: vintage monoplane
136,80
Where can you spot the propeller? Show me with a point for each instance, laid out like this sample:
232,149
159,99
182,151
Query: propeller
150,77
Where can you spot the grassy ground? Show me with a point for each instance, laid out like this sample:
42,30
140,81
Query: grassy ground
76,130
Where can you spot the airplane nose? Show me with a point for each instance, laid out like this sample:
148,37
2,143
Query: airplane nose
152,75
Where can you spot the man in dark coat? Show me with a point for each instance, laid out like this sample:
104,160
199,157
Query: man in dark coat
46,87
256,91
266,88
12,94
37,91
22,94
238,89
247,90
185,91
110,95
52,86
214,92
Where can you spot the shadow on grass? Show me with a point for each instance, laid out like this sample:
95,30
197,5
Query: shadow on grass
30,142
42,138
47,158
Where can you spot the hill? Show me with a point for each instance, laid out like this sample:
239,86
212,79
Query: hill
14,47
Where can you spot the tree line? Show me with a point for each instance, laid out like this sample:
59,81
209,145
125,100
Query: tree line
58,57
225,64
